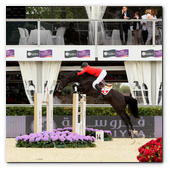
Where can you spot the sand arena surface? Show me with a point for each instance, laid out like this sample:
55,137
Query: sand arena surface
117,150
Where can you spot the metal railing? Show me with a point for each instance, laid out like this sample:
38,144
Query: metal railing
95,21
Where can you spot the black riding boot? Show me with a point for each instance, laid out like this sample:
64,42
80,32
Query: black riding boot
100,96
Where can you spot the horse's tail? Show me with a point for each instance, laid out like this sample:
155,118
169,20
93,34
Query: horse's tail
132,106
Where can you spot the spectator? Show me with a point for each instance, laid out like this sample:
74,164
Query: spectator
56,99
154,13
124,26
149,27
144,28
136,28
71,36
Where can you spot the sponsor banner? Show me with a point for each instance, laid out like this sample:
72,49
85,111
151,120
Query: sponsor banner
145,126
45,53
39,53
10,53
70,54
109,53
158,126
147,53
122,53
77,54
83,53
158,53
151,53
15,126
116,53
33,53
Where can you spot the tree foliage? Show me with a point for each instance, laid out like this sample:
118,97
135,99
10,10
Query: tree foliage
56,12
124,89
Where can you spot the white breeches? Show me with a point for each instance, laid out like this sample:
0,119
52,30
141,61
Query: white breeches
100,78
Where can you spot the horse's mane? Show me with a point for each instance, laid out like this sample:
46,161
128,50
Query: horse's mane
87,75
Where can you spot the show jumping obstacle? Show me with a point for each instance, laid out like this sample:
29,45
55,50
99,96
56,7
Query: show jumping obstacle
79,126
38,112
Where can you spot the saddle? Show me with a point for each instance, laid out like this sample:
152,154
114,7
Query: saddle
105,88
104,84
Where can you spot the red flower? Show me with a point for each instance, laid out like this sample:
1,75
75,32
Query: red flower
151,151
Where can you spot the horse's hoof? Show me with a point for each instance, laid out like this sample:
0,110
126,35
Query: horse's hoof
135,132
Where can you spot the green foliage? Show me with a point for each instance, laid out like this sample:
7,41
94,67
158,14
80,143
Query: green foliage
56,12
90,111
124,89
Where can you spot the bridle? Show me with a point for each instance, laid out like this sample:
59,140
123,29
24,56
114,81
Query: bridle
70,80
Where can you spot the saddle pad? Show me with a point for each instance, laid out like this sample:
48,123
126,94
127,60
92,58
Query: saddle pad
105,90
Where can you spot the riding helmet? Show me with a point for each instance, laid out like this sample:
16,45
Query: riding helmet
84,64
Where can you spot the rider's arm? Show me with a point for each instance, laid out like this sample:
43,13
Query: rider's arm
81,72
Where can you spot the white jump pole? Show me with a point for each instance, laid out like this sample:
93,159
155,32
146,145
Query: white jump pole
75,112
49,113
82,114
79,128
38,112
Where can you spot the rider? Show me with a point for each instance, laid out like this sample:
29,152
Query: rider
97,72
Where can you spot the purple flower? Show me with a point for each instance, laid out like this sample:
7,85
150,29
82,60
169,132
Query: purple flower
68,128
69,138
93,138
59,129
80,138
38,139
31,139
75,138
62,138
26,137
19,138
108,132
46,138
54,138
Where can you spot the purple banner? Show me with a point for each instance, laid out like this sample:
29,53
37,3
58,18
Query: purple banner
158,53
45,53
122,53
83,53
10,53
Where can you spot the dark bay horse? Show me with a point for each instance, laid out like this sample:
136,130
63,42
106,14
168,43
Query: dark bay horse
114,98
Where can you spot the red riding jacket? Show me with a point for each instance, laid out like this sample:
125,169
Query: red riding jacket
91,70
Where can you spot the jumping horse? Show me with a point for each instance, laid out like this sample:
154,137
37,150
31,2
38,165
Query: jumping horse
114,98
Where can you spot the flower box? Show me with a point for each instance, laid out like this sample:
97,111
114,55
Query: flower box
59,146
151,151
107,139
60,138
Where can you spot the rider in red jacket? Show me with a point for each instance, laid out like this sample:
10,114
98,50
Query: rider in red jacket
97,72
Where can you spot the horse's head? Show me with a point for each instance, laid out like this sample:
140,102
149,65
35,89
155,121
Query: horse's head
66,79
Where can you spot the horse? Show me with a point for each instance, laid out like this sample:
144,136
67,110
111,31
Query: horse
114,98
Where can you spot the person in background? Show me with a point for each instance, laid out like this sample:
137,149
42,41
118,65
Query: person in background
136,28
149,27
56,99
71,35
154,13
144,28
124,26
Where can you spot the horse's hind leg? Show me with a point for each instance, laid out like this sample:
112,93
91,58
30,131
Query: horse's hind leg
130,123
126,119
